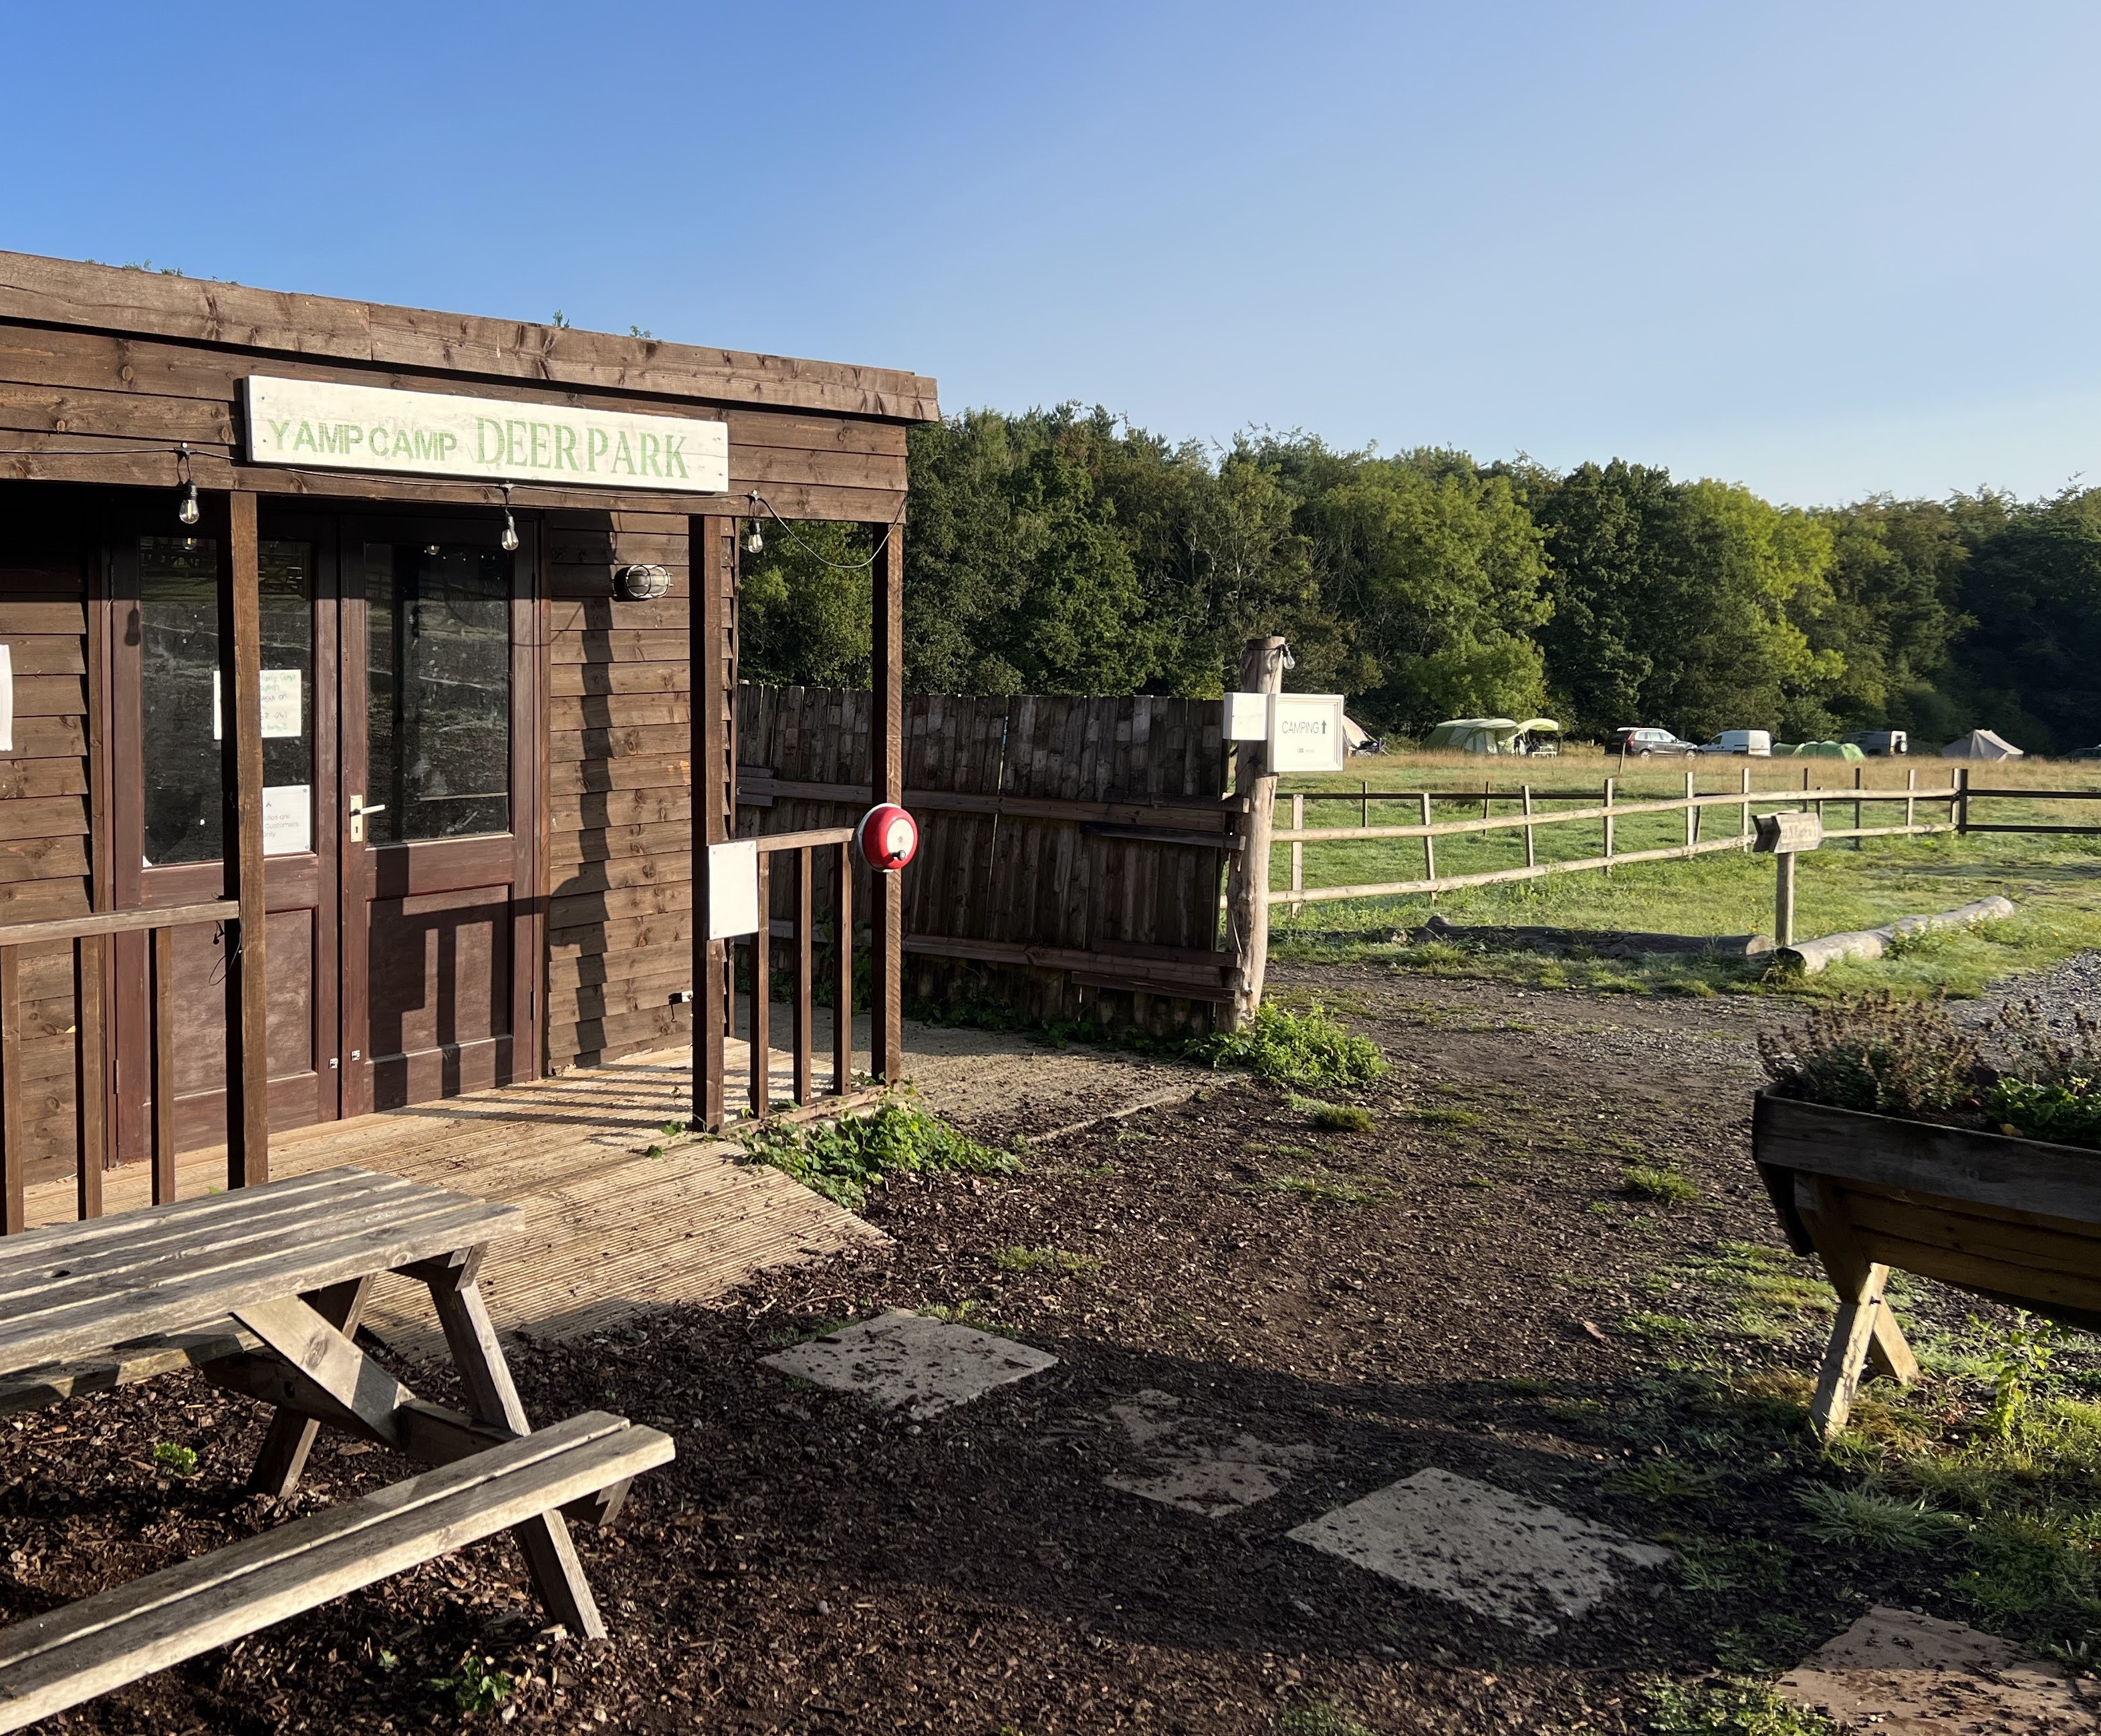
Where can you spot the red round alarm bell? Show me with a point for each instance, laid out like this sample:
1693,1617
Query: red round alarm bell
888,836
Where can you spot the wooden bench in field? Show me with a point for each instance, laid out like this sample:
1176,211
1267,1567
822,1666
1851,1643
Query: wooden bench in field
260,1291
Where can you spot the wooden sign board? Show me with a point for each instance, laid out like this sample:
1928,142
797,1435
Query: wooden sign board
1787,833
325,425
1306,732
1247,717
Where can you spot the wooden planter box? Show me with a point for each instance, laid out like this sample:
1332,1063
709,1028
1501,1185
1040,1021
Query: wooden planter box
2016,1221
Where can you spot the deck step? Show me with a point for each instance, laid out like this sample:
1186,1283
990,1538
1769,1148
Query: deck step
61,1658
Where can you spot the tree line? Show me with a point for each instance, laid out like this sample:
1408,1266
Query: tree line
1065,551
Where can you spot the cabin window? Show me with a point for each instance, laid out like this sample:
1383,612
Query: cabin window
438,690
178,710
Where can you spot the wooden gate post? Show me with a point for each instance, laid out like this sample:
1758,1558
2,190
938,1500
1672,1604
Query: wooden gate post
1247,881
886,772
241,792
710,541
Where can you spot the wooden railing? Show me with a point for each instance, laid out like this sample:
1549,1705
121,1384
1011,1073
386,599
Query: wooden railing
802,932
1601,807
90,937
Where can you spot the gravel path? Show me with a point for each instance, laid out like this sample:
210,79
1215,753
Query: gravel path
2075,985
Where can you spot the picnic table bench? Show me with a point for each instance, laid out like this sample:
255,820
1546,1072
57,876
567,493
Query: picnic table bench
260,1290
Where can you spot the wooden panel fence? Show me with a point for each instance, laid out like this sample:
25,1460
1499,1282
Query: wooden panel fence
1071,849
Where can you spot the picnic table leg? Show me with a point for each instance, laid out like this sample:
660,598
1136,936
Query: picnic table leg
550,1555
283,1459
1864,1327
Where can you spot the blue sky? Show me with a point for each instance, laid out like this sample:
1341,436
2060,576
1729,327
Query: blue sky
1823,250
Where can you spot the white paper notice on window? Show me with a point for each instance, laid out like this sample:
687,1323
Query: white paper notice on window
283,709
288,820
6,699
732,889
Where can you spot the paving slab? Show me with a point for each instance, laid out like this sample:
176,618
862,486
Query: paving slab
1900,1673
901,1360
1492,1551
1205,1466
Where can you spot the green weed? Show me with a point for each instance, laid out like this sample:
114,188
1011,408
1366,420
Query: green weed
177,1461
2017,1365
1662,1326
1665,1186
1046,1259
1306,1051
1868,1516
1328,1189
474,1688
1320,1718
1732,1706
1661,1480
844,1159
1336,1118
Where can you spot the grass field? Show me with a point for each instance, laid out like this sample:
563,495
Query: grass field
2055,881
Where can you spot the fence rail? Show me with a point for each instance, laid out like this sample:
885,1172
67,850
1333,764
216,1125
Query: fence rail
88,936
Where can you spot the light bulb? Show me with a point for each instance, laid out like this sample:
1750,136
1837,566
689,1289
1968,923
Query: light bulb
753,541
509,533
186,509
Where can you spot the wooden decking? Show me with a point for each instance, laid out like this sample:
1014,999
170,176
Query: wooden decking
610,1231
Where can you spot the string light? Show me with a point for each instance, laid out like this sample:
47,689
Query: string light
510,524
753,542
186,508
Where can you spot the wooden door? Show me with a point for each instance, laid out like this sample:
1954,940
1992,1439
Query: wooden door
166,818
438,814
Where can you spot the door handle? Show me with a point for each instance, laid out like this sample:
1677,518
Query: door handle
359,809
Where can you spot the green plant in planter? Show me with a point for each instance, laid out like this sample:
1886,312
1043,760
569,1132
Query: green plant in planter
1875,1053
2051,1088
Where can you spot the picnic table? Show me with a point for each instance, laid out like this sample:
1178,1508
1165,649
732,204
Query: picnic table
260,1290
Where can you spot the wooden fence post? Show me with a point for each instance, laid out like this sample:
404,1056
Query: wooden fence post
708,540
1959,808
1298,850
1609,783
1247,880
1692,810
1745,830
886,769
1429,847
1531,848
241,785
1860,778
1784,898
1911,798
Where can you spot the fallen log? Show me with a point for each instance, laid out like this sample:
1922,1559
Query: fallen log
1810,957
1607,943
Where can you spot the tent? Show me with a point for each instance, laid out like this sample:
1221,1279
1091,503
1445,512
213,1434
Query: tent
1822,751
1488,735
1356,738
1982,744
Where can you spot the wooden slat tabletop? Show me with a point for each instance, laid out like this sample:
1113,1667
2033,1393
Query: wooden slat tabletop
76,1289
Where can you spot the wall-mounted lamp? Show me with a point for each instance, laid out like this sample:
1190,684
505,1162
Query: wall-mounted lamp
641,582
510,524
753,542
186,506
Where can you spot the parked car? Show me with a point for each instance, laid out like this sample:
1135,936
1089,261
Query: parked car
2085,753
1641,744
1758,743
1880,740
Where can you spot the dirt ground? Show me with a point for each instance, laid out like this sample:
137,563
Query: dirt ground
1450,1289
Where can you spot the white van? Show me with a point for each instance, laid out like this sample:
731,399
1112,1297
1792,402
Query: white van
1758,743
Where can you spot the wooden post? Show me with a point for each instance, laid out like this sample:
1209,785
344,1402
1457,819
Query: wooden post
1784,898
761,1079
1486,790
13,1159
1691,812
160,1076
1860,778
1365,784
886,769
806,948
1247,874
241,787
1531,844
1429,847
1298,851
1911,797
1610,784
1959,808
90,1117
710,543
1745,829
843,983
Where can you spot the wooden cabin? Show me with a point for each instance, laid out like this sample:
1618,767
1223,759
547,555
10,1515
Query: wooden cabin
415,632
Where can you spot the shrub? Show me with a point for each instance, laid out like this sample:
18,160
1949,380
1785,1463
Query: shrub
1875,1052
1307,1051
844,1159
1866,1516
1734,1705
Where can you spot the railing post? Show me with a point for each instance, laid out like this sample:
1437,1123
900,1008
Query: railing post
843,985
1784,898
1609,785
1298,851
708,540
1911,797
1692,810
886,772
1860,778
1744,830
91,1105
161,1063
762,995
805,969
241,780
1960,813
1247,870
1531,851
1428,848
12,1154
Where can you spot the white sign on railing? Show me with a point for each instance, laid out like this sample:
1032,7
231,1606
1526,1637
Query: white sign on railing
733,889
326,425
1306,732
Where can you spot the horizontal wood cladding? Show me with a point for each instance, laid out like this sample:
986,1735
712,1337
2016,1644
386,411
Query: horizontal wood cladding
77,406
62,293
46,859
